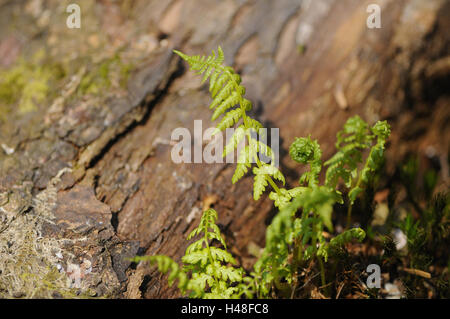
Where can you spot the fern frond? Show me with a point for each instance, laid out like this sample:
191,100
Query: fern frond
267,169
197,257
259,184
237,137
199,280
241,170
222,255
227,92
306,151
253,124
280,199
203,64
347,236
351,141
382,131
211,268
230,119
262,175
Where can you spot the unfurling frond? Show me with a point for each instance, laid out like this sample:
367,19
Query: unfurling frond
228,100
306,151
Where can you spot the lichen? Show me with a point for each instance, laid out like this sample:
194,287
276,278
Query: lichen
28,83
29,261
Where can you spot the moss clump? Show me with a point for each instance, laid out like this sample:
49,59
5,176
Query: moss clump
28,83
30,263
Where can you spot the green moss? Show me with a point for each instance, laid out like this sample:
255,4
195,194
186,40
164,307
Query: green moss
31,82
28,83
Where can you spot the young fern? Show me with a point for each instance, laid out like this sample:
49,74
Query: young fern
212,275
304,234
356,137
228,100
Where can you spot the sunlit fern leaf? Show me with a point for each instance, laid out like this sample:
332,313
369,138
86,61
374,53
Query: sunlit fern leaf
284,197
381,130
244,163
304,150
195,246
237,137
265,150
259,184
229,120
297,191
280,199
225,273
201,279
351,141
222,255
196,257
246,104
266,169
347,236
227,92
223,79
202,63
229,88
226,104
254,124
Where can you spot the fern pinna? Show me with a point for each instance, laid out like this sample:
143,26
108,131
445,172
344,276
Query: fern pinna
295,236
207,271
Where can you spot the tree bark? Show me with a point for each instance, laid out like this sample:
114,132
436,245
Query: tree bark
307,67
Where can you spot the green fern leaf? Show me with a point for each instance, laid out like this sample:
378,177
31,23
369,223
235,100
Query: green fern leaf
226,104
347,236
259,185
237,137
229,120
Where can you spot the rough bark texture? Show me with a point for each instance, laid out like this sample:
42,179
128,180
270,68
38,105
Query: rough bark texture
307,66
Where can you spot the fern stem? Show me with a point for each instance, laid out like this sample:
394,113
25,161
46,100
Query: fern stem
358,183
322,271
349,216
317,229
